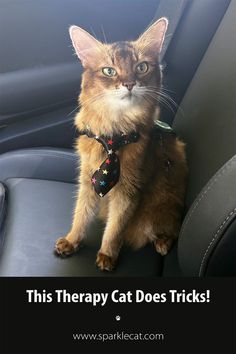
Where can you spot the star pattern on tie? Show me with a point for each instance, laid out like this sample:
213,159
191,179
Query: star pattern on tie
108,173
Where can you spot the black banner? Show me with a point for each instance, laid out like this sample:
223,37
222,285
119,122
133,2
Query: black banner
114,315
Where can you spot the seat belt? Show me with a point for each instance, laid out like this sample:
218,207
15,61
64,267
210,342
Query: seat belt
173,10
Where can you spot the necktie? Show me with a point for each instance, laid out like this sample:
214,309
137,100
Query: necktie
107,175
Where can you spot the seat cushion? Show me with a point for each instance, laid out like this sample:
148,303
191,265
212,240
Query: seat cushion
49,163
40,210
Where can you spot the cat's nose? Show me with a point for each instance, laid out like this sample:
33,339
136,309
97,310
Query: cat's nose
129,85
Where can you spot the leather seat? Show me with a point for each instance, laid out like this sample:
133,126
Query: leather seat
38,193
207,242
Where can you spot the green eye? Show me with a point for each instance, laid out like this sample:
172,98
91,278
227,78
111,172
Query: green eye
109,72
142,68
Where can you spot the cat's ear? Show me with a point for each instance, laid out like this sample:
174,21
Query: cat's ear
152,39
86,46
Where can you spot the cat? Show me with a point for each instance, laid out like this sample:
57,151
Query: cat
120,89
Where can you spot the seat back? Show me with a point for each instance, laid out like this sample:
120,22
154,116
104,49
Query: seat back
207,123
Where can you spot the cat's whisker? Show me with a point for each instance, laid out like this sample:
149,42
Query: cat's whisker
93,32
103,32
167,105
77,107
89,100
161,89
169,35
93,99
156,94
171,100
167,90
166,97
95,36
148,100
161,100
165,102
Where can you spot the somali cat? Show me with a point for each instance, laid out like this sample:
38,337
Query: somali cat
120,91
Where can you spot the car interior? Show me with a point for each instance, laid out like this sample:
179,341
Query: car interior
39,85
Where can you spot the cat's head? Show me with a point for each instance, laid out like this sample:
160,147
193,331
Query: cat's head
122,74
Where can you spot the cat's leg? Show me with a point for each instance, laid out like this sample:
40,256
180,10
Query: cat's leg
168,227
121,209
163,245
84,212
156,220
161,228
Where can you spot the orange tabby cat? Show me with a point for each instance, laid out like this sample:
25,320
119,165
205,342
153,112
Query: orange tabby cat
121,85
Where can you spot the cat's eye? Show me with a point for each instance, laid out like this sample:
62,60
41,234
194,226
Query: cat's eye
142,68
109,71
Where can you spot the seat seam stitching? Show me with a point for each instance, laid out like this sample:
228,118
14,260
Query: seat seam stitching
2,200
214,238
205,191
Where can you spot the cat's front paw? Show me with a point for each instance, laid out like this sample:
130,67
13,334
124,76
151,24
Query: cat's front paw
105,262
63,247
163,246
